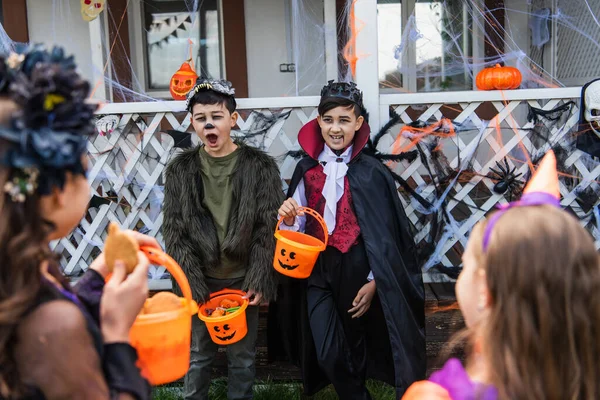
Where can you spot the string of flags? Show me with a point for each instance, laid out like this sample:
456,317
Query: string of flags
174,21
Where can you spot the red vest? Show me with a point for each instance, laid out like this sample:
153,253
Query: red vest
346,231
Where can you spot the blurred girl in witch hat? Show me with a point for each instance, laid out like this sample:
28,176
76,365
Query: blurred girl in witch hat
530,295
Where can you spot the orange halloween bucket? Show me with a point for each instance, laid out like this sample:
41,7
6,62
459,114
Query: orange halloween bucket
229,328
162,340
296,253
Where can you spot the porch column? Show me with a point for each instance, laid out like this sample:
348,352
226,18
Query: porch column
98,57
331,50
367,66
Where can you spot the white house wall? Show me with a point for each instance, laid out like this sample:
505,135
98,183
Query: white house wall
59,22
266,48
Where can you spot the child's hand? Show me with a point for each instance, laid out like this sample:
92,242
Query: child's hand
362,301
144,240
253,301
289,210
122,300
99,264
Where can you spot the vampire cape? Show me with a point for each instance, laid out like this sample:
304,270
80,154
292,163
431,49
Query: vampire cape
391,252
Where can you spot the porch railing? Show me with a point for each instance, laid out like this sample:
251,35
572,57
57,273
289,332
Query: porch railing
127,164
491,127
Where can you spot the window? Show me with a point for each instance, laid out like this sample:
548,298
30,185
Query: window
167,27
424,45
268,48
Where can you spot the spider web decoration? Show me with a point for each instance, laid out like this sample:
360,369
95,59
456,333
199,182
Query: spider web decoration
574,176
444,182
127,181
456,173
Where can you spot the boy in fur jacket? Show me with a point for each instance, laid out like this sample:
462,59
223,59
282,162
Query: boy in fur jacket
220,207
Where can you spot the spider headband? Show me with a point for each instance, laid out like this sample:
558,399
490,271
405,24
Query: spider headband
542,189
343,90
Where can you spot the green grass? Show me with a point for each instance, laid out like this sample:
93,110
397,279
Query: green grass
273,391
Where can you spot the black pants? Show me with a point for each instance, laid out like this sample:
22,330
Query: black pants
340,341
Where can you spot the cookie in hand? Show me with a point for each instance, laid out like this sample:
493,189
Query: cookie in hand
122,246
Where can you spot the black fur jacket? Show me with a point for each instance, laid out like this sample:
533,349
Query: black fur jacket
189,231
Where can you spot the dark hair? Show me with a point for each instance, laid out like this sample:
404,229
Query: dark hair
23,232
330,103
45,121
212,97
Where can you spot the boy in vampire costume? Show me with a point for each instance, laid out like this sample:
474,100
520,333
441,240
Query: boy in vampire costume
220,207
361,312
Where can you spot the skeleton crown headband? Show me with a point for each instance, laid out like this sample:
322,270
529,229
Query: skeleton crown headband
542,189
216,85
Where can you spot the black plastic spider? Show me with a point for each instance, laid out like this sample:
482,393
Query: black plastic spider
506,179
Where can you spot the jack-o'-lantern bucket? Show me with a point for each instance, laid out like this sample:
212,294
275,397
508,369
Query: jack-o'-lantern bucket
296,253
163,339
230,327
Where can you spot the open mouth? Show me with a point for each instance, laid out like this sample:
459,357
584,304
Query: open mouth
286,266
211,139
225,338
337,139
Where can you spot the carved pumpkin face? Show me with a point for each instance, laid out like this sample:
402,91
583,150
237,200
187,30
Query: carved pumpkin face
225,332
498,78
288,260
90,9
182,81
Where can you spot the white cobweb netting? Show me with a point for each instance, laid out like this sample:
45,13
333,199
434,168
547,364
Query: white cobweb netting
422,46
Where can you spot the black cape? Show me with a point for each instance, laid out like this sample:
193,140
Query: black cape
392,258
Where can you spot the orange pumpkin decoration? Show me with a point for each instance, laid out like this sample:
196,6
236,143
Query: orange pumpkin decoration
498,78
182,81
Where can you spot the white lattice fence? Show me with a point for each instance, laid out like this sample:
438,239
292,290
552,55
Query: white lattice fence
127,165
480,142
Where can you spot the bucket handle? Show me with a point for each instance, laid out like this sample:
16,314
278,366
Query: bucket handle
313,214
159,257
228,291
